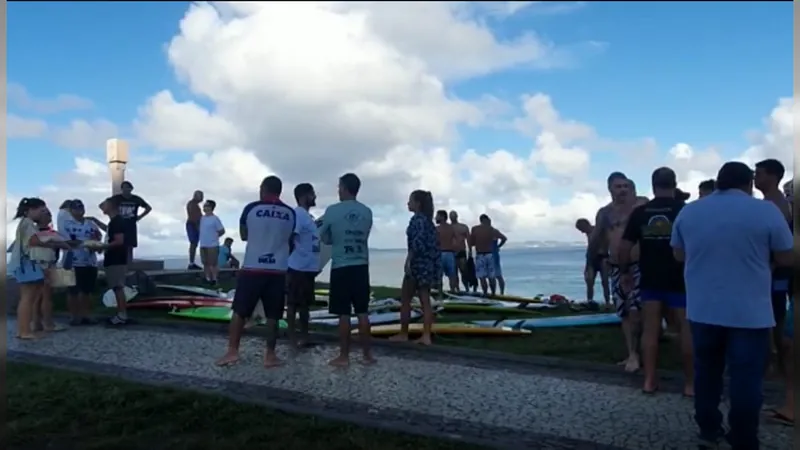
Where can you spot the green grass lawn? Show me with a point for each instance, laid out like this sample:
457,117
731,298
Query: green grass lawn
50,408
596,344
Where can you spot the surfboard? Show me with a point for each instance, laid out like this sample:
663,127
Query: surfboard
489,309
582,320
178,302
374,319
504,298
110,300
448,329
213,314
194,290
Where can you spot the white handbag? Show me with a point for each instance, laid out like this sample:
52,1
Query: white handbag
60,277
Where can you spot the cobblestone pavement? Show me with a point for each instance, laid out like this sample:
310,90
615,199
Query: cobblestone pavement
507,408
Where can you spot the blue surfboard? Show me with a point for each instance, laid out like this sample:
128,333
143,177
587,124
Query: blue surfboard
584,320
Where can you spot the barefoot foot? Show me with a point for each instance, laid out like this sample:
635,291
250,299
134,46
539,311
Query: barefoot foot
632,365
271,361
424,340
399,338
229,359
339,361
368,359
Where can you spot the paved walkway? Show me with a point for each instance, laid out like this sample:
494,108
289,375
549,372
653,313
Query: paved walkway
534,409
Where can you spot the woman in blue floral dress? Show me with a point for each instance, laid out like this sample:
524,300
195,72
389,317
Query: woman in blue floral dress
422,267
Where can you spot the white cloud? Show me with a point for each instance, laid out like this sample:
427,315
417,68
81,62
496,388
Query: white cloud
20,98
23,128
85,135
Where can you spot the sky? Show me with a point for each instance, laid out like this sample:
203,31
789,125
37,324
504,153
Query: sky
515,109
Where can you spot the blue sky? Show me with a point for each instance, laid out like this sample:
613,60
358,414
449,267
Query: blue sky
696,72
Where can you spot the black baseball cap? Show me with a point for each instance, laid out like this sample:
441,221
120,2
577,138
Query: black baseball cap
126,183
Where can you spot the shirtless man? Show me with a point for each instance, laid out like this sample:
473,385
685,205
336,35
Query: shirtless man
484,237
193,216
610,223
595,264
447,246
460,247
768,175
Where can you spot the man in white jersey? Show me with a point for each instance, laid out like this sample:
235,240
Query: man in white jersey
346,227
303,265
76,227
267,227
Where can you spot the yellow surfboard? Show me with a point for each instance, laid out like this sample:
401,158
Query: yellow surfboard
448,328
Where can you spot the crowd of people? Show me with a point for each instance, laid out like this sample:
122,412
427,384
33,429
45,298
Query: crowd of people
719,270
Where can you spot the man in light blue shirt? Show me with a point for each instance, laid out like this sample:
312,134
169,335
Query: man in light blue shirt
346,227
726,240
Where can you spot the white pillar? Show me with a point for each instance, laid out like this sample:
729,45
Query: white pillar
117,157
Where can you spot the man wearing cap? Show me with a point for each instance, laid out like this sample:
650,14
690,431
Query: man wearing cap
661,276
129,205
83,262
726,241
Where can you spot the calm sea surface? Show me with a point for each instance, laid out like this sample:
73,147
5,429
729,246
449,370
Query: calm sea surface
528,271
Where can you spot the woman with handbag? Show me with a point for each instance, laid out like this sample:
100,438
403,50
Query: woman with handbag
24,266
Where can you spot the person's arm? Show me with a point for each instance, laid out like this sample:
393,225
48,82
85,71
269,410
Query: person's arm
324,227
630,237
220,227
243,222
676,240
98,223
145,206
54,244
598,232
501,236
781,241
469,238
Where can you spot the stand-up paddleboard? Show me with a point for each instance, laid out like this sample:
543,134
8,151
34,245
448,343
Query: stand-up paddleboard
213,314
194,290
110,300
497,297
582,320
487,309
448,328
374,319
178,302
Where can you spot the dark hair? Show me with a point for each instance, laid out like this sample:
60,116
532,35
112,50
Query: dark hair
615,176
26,204
425,201
126,183
734,175
708,185
112,201
302,190
211,203
441,213
351,183
272,185
582,222
66,204
484,218
664,178
772,167
228,239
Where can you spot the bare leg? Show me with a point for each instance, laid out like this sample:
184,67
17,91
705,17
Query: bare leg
631,326
427,312
651,324
687,349
492,286
501,283
589,276
235,329
365,338
192,253
787,410
406,294
75,306
213,270
47,310
291,321
303,312
484,286
122,304
36,308
453,283
604,280
270,357
343,360
28,294
462,269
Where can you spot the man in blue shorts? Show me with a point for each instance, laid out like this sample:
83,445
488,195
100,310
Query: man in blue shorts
346,227
661,284
267,226
447,246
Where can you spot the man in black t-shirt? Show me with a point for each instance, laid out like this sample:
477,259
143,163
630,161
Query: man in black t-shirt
116,259
129,205
661,284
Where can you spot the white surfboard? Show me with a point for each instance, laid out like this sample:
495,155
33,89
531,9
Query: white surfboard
110,300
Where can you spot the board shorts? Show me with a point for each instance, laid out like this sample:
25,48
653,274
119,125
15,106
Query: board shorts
209,256
349,290
192,233
449,264
255,286
597,262
301,288
788,326
484,265
85,280
625,302
498,269
115,276
674,300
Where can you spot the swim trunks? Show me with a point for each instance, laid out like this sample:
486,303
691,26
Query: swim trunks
484,265
498,269
597,261
625,302
449,264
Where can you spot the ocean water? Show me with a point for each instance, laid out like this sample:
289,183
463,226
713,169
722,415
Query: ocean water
528,271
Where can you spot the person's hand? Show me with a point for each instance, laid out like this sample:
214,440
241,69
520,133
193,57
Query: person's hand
627,282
